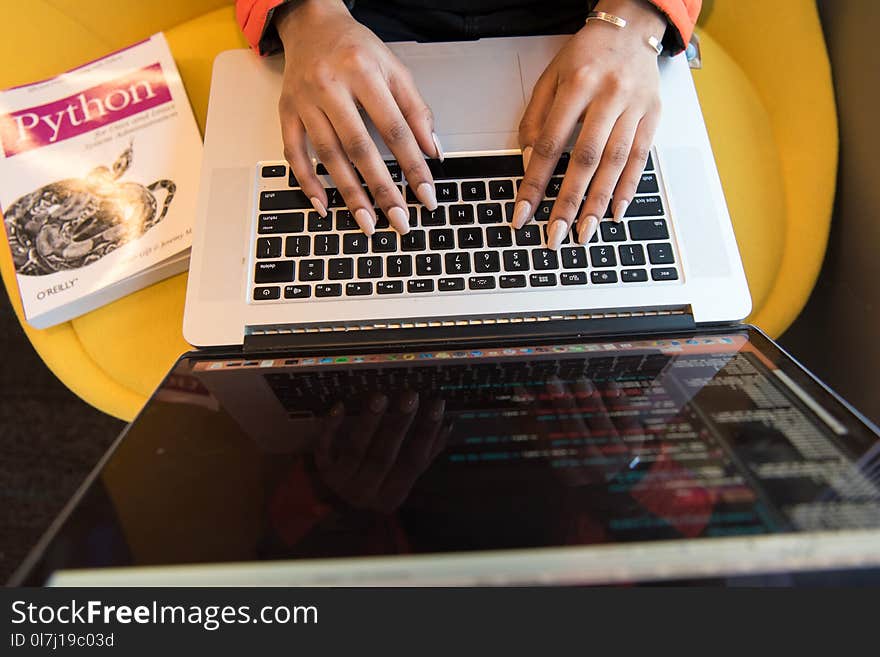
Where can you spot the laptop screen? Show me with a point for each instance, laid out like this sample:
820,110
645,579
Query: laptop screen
707,439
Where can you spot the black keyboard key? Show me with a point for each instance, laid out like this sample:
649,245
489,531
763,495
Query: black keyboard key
354,243
286,199
384,242
461,214
297,291
486,166
389,287
345,220
645,206
501,190
660,254
413,217
517,260
398,265
542,213
328,290
269,247
574,257
394,171
664,274
602,256
340,269
542,280
514,280
633,275
553,187
458,263
370,267
473,190
267,293
562,165
481,283
311,270
334,198
648,184
544,259
508,210
428,264
278,271
631,254
470,238
414,240
565,240
299,245
411,196
447,192
605,276
381,220
420,285
573,278
435,218
274,171
326,244
648,229
358,289
499,236
612,232
489,213
282,222
291,180
450,284
486,262
649,165
441,238
529,235
318,223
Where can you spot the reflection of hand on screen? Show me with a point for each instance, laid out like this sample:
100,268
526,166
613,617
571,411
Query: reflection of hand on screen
372,460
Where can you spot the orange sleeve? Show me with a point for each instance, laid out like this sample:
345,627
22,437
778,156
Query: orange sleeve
254,18
682,16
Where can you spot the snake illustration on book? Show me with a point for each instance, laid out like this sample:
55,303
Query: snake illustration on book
75,222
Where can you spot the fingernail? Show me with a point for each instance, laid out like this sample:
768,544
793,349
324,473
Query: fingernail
425,192
620,210
365,220
527,155
399,219
438,410
521,213
319,207
589,229
440,154
337,409
556,233
408,401
378,402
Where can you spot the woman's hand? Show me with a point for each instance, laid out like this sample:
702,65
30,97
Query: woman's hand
332,65
609,76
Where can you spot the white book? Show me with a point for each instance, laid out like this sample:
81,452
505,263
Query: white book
99,171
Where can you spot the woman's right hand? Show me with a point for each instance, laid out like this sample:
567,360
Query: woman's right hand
332,65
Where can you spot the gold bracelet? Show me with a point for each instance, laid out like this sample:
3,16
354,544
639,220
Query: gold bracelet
652,41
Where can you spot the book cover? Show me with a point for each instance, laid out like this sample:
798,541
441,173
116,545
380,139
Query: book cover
98,180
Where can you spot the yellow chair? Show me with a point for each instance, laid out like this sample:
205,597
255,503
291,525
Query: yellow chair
765,89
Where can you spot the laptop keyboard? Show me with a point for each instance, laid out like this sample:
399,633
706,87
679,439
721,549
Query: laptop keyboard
465,246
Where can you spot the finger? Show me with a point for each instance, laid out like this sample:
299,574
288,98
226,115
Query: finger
622,414
567,412
350,447
296,152
635,166
546,149
585,161
330,152
535,115
397,134
597,418
416,112
324,447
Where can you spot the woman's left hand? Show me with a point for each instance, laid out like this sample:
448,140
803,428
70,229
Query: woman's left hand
609,77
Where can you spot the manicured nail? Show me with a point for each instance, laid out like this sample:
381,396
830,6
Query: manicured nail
440,154
378,402
620,210
426,194
521,213
399,219
556,233
408,401
319,207
365,220
590,225
527,155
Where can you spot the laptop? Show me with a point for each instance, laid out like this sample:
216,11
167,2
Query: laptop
591,426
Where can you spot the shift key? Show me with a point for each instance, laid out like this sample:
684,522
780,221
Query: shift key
285,199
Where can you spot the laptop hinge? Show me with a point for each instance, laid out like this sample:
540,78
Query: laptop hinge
450,331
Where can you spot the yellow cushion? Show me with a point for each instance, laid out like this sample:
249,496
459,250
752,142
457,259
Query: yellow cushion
769,110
